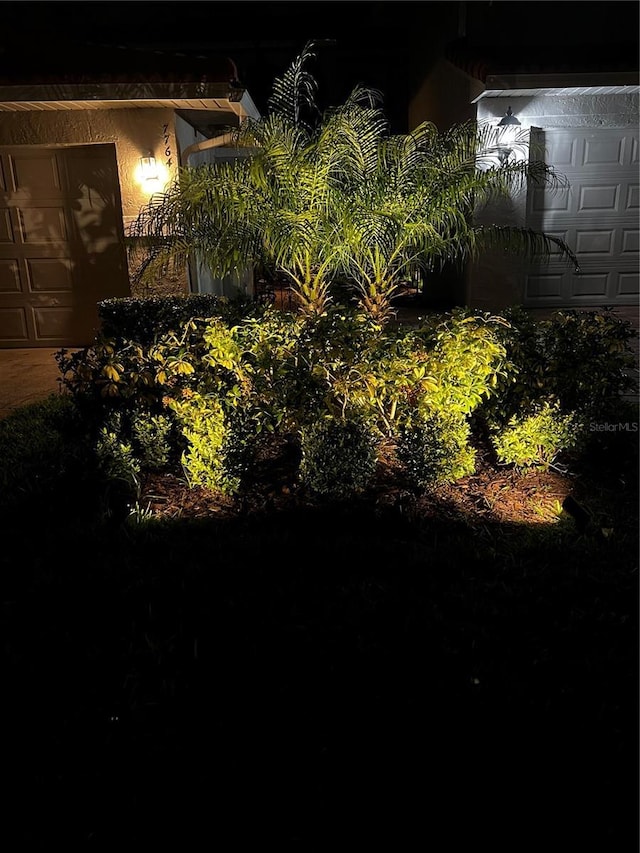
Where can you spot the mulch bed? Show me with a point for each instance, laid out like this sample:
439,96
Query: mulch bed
491,494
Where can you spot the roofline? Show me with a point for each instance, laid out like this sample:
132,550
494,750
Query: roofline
558,80
139,91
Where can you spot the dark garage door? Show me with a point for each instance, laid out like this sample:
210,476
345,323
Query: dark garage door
61,243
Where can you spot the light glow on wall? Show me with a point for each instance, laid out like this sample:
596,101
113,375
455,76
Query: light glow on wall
151,175
508,129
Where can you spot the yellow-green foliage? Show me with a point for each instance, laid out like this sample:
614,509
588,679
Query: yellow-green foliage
277,360
151,436
280,373
202,421
398,377
129,372
536,439
464,360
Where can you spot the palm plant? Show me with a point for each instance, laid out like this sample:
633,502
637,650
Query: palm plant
330,197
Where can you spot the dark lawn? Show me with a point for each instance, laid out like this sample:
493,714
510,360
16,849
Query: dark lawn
319,676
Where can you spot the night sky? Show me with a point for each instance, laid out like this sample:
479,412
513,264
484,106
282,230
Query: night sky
387,45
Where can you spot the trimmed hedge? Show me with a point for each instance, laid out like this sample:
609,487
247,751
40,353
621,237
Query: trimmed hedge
146,319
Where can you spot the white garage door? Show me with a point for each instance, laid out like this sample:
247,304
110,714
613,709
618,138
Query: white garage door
597,216
61,243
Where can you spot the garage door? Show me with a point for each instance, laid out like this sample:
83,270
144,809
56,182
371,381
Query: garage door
597,216
61,243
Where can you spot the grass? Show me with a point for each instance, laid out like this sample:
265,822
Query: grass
317,674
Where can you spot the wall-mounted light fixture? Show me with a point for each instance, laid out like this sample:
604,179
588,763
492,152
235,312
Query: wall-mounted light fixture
148,168
508,126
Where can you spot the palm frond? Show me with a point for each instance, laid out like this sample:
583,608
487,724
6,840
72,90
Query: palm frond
525,242
295,90
342,197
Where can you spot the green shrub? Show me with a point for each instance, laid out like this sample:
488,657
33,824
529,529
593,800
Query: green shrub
536,439
152,438
450,364
203,424
339,458
435,449
582,359
43,446
275,374
117,461
525,379
109,375
147,319
589,360
465,359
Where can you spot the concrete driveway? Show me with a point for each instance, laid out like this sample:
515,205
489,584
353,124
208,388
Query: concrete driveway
26,376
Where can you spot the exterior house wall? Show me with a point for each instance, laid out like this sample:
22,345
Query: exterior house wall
496,280
200,278
186,135
446,96
556,111
134,133
428,103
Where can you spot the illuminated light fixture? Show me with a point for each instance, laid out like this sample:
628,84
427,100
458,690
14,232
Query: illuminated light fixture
508,125
508,119
149,168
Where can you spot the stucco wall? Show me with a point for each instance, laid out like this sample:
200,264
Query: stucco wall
186,135
556,111
428,103
134,132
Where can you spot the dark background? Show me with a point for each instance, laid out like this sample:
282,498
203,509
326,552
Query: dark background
388,45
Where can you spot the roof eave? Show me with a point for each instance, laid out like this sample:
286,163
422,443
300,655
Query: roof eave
603,82
138,91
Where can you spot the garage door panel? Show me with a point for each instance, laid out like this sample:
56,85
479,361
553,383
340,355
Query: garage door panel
542,202
35,173
13,325
43,224
61,229
588,199
566,236
597,216
49,275
594,285
630,241
594,242
628,284
10,276
564,288
53,322
590,147
563,152
6,226
604,151
544,286
598,199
